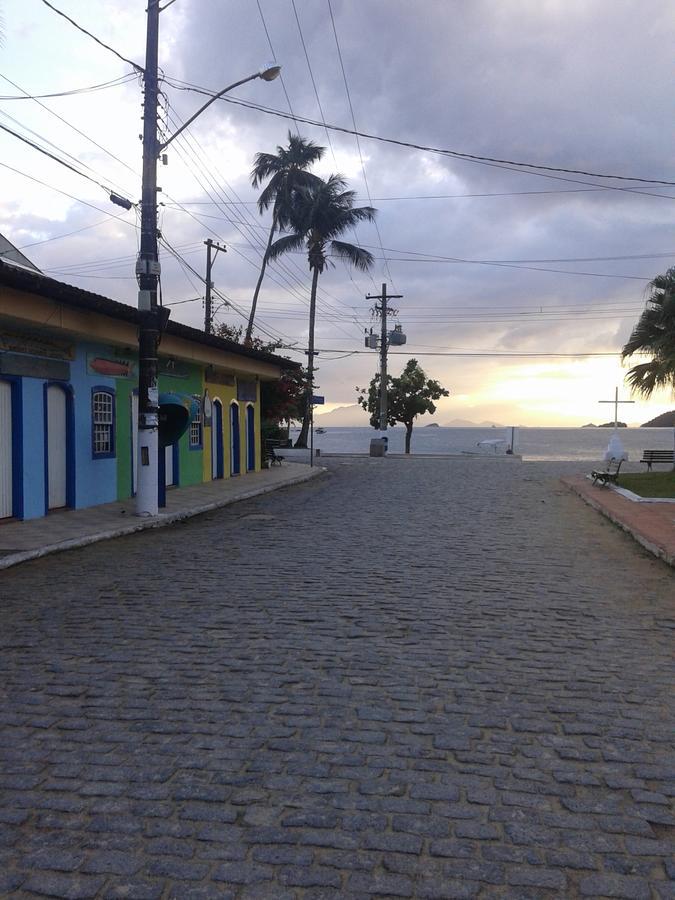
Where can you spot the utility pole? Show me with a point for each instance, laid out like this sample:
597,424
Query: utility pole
147,273
209,284
384,346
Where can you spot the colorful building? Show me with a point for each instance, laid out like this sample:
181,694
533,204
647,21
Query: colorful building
68,398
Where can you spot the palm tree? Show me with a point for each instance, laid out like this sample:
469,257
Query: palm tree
654,334
319,213
287,171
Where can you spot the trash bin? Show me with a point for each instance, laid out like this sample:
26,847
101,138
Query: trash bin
378,446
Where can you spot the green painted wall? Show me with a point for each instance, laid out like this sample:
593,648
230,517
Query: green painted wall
190,465
123,390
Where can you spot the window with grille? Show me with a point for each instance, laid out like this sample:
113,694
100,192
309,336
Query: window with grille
196,428
103,423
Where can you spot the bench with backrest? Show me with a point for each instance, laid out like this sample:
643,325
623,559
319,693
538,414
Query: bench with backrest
657,456
610,473
271,446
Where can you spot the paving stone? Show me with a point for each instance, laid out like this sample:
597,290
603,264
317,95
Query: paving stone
622,886
68,887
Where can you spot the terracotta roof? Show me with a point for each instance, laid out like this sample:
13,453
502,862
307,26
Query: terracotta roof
36,283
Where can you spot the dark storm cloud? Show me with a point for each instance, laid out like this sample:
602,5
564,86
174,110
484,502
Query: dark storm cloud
569,84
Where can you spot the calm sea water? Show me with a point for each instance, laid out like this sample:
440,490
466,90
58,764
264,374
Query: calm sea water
531,443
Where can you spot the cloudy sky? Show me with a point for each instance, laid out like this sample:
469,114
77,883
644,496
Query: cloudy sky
515,264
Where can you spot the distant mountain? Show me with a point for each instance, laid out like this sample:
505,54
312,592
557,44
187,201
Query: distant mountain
611,425
343,417
432,425
465,423
590,425
665,420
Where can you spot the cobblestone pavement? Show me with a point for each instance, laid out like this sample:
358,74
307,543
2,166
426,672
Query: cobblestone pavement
408,678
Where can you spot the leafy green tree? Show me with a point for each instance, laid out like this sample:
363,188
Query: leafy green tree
654,335
410,395
320,213
287,171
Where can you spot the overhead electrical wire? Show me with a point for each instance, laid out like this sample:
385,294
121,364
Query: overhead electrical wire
325,127
274,56
93,37
70,196
73,127
115,82
57,159
255,242
513,165
358,142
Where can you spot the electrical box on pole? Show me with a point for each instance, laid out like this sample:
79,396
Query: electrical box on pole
383,346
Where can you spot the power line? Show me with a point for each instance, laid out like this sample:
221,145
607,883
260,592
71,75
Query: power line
70,196
115,82
73,127
513,165
274,56
56,159
358,142
138,68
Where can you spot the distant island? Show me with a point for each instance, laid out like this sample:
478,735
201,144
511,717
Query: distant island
665,420
465,423
432,425
590,425
611,425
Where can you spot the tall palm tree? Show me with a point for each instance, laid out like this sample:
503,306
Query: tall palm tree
654,334
319,213
287,171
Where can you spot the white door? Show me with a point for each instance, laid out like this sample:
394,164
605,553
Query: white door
56,447
134,442
168,464
6,498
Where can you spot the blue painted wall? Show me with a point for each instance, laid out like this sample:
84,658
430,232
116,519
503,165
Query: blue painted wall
95,479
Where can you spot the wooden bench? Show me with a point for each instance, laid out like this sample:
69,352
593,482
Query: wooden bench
657,456
275,459
610,473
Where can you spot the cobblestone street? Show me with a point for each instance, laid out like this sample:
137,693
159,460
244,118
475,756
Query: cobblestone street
408,678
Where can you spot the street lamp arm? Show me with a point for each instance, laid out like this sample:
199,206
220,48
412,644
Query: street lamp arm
267,74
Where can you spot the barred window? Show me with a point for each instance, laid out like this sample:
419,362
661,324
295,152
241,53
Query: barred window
103,423
196,428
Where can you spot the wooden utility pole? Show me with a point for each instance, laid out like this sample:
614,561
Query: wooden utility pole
208,324
384,346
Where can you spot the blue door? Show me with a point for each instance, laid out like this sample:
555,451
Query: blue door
217,440
250,439
235,442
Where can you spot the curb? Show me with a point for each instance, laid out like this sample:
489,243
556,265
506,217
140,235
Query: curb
156,522
655,549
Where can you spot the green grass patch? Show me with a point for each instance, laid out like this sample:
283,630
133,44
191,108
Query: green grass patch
649,484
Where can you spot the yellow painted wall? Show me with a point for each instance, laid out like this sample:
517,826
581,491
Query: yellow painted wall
226,393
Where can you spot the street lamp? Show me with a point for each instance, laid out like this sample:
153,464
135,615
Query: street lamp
152,318
269,73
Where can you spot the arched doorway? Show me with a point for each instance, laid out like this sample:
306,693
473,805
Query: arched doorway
235,441
250,438
58,447
217,440
7,444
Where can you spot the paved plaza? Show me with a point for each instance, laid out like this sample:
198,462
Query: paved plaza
406,678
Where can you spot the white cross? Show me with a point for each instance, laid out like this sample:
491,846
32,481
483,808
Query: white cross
616,402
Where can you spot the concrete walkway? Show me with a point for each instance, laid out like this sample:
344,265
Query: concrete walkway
652,524
68,529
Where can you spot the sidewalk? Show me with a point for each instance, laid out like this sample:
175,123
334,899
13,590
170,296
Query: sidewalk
67,529
651,524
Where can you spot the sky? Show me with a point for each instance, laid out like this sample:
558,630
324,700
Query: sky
520,285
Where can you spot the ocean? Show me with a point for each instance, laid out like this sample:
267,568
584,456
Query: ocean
531,443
